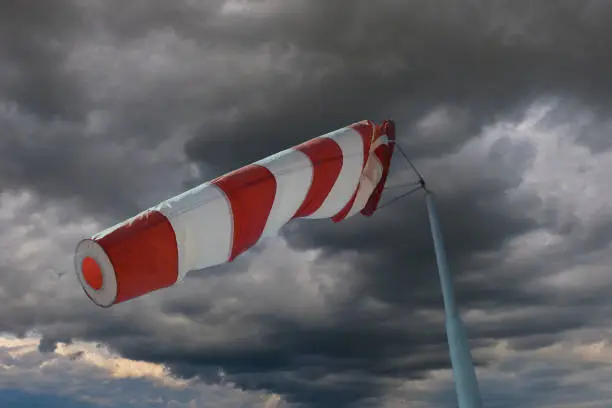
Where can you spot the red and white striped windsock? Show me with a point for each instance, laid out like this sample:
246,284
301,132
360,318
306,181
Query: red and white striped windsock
332,176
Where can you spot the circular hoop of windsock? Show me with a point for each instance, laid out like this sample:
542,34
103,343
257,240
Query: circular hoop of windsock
335,176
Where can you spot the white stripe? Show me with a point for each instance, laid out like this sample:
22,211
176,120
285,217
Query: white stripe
384,139
293,172
203,224
369,180
372,174
107,294
351,144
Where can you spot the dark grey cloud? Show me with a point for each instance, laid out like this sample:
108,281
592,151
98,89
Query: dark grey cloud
403,60
104,112
35,41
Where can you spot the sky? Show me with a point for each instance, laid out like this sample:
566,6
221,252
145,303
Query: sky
109,107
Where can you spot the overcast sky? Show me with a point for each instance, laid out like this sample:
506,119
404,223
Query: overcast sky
108,107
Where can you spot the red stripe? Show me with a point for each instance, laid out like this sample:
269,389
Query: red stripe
326,158
250,191
144,255
388,128
365,130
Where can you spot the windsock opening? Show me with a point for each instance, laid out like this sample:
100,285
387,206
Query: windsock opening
96,273
92,273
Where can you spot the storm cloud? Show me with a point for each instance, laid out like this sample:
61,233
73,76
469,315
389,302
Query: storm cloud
107,108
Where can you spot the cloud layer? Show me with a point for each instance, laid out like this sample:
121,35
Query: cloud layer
88,375
503,106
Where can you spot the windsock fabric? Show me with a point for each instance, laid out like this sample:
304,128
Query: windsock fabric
332,176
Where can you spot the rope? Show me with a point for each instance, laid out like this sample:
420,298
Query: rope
421,182
409,162
413,183
393,200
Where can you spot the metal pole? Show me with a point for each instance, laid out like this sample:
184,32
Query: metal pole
466,383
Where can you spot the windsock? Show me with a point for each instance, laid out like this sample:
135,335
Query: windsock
336,176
